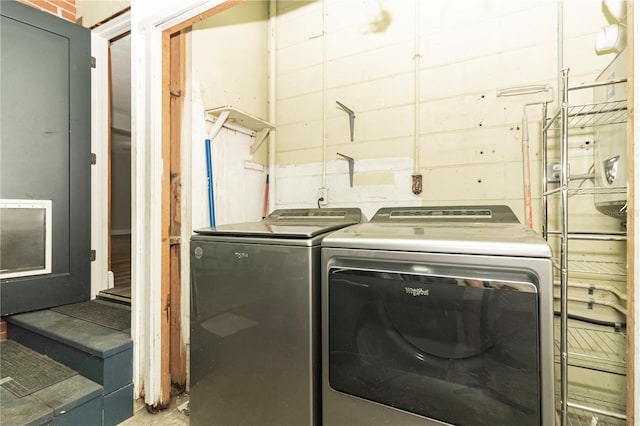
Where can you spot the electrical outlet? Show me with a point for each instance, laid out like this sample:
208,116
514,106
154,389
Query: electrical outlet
554,168
323,196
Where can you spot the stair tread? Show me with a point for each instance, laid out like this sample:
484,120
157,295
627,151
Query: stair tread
86,336
27,410
42,406
70,393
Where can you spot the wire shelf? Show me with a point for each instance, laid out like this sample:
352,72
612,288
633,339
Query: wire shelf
595,268
594,347
589,267
597,190
580,417
600,114
593,115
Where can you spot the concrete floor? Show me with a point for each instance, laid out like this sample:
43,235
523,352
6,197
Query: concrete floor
173,416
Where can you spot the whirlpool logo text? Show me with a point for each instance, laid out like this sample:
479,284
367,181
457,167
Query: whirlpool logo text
416,291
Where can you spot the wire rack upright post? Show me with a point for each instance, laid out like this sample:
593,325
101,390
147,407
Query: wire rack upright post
566,117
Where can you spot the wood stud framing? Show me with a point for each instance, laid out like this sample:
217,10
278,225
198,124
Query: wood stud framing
165,293
178,362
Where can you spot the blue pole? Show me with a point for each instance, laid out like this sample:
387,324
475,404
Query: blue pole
212,211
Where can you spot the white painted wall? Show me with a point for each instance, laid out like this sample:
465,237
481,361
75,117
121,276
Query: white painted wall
470,140
228,66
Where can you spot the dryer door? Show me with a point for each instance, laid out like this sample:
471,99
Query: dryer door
444,344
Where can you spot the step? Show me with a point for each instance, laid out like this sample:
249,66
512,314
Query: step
26,398
101,354
121,294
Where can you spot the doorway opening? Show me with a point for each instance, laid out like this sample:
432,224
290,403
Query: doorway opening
119,166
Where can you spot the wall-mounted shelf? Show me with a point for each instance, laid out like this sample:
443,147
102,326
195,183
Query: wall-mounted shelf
235,119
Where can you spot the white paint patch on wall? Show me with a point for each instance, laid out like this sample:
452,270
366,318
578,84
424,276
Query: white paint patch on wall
378,183
386,182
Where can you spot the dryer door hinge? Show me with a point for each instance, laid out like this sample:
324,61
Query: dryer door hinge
93,62
92,256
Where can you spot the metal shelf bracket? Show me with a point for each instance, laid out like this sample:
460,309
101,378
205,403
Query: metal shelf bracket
352,117
351,164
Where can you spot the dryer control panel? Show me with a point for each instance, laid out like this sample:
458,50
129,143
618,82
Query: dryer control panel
493,214
315,215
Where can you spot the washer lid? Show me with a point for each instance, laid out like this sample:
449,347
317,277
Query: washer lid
498,239
291,223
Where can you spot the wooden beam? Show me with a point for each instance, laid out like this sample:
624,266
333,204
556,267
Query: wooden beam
202,16
632,227
178,358
165,293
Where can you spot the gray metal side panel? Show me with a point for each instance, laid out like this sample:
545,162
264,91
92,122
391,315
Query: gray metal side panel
45,146
254,334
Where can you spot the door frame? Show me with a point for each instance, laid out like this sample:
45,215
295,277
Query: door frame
100,145
150,297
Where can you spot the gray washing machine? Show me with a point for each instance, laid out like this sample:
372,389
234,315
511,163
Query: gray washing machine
255,319
437,315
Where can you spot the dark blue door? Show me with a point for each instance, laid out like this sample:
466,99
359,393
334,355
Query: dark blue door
44,160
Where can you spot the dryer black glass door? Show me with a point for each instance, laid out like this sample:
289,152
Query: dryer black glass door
453,348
